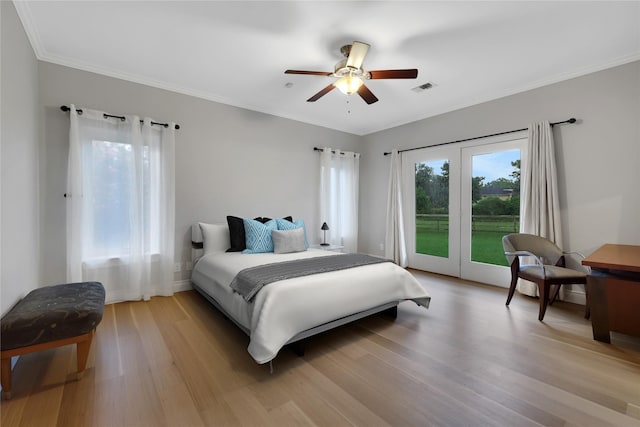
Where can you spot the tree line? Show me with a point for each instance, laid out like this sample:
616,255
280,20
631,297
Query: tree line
497,197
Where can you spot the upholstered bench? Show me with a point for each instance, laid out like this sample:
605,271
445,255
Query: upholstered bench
50,317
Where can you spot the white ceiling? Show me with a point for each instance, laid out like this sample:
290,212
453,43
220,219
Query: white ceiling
236,52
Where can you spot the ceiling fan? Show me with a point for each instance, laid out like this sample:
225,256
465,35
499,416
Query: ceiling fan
351,76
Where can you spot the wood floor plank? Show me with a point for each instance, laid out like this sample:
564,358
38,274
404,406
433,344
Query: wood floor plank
246,408
105,356
289,414
23,383
108,407
458,386
314,385
467,360
200,388
76,406
219,414
565,405
142,403
177,405
58,366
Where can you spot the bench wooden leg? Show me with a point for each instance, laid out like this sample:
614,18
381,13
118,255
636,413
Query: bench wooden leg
6,378
82,351
83,345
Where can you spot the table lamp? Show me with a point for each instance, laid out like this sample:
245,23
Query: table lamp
324,228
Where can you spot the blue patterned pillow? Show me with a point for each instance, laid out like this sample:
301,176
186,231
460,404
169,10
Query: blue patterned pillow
283,224
258,236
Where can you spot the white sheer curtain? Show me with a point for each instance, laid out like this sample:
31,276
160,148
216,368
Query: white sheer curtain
539,203
339,180
120,204
395,246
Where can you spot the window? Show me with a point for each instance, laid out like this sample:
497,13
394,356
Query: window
111,184
121,213
339,177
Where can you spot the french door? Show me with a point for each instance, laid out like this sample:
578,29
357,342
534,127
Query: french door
461,199
431,183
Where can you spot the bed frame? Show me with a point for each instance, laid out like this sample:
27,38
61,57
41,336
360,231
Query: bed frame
390,308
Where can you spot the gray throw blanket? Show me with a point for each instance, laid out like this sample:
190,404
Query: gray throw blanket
250,280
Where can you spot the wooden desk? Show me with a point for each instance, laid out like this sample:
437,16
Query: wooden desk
614,290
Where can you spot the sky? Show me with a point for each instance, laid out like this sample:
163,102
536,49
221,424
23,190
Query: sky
494,165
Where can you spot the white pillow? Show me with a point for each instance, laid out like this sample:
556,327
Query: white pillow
287,241
215,237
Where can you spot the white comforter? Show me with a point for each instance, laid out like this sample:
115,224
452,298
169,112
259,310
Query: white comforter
283,309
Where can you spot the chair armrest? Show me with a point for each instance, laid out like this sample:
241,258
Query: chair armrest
574,253
581,256
527,253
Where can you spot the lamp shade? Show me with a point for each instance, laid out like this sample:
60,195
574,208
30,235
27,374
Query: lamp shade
349,84
324,226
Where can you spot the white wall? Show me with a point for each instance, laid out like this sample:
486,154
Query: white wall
598,157
19,229
229,161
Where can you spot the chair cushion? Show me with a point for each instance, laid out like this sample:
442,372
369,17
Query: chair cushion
53,313
552,272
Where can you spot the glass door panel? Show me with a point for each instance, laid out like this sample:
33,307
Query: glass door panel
495,204
432,208
490,208
432,216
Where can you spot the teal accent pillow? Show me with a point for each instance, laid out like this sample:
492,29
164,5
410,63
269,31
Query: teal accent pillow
258,236
283,224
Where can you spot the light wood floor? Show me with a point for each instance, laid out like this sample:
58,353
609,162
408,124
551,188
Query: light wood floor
466,361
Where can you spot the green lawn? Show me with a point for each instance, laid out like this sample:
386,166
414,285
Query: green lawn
486,246
433,243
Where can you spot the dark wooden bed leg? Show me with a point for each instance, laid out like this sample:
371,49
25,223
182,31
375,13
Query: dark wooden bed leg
392,312
298,348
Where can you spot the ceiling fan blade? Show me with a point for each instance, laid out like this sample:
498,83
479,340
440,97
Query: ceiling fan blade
311,73
367,95
356,55
322,93
410,73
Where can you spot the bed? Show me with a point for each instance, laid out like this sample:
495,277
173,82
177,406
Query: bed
290,310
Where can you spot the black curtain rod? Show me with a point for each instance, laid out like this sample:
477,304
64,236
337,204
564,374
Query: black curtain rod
79,111
571,120
322,149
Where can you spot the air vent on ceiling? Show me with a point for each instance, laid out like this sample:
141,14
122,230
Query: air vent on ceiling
423,87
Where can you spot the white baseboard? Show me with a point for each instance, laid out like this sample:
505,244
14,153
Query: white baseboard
182,285
574,296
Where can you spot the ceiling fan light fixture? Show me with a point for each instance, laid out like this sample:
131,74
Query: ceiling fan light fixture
350,75
349,84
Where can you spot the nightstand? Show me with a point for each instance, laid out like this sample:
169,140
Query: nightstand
334,248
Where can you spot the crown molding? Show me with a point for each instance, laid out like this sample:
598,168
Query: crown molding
24,13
